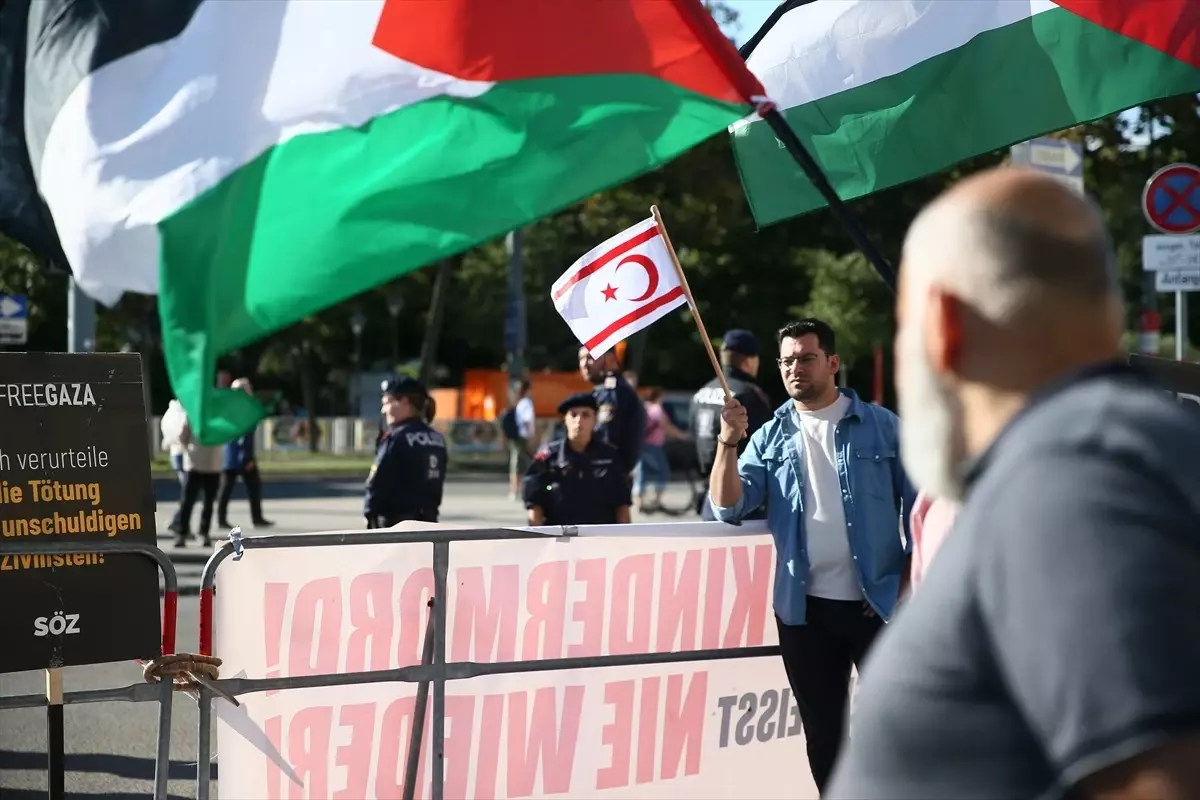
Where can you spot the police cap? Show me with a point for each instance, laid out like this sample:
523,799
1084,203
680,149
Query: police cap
740,341
403,386
579,400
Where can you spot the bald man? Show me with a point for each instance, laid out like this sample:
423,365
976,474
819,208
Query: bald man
1054,648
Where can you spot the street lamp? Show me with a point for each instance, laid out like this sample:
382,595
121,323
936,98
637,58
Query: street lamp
395,304
357,323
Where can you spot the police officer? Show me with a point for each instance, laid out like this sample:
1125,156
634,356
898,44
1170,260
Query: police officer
739,362
578,479
406,479
621,420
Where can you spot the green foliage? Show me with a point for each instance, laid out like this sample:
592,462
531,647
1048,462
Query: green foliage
848,294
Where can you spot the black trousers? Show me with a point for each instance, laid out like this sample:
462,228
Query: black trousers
253,491
817,656
196,484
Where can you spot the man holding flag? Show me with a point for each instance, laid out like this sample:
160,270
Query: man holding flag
827,464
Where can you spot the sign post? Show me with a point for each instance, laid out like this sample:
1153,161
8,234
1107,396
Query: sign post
1059,158
1171,203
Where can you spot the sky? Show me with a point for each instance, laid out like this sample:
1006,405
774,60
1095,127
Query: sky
751,15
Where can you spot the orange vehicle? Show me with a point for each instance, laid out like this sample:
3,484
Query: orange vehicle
484,393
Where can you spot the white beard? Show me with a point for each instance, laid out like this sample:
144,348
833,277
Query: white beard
932,444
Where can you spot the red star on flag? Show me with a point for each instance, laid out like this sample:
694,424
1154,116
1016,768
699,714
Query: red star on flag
609,292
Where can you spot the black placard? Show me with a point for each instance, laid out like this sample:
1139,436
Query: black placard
74,466
1181,377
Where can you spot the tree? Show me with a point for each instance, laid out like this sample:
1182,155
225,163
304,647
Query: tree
849,295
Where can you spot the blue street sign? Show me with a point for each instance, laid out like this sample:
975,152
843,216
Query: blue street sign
13,306
14,319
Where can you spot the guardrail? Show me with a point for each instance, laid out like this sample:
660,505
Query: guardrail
155,690
434,669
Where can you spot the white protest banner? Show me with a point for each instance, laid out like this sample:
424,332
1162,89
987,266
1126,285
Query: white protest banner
714,729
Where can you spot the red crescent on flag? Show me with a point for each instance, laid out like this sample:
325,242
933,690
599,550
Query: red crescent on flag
651,275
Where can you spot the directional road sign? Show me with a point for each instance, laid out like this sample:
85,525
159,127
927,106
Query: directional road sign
14,319
1055,157
1171,199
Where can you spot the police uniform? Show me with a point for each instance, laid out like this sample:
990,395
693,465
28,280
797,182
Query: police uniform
621,419
577,488
406,480
709,401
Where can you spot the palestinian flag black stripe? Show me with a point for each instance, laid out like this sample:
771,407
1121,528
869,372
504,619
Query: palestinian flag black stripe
47,47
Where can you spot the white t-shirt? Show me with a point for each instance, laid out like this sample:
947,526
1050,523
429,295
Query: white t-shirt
526,417
831,566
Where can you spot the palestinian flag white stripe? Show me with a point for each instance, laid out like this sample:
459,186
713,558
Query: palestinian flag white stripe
850,43
201,113
882,92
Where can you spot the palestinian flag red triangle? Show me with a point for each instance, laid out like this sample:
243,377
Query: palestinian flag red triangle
1172,26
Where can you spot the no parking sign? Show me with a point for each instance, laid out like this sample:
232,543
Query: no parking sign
1171,199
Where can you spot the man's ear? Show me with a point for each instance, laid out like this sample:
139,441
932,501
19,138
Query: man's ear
943,330
835,364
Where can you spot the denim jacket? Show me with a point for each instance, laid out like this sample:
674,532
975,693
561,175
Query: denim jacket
876,496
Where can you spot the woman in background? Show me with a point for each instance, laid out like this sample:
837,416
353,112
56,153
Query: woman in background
653,467
931,520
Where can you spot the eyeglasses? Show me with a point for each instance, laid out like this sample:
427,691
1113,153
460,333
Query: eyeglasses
788,362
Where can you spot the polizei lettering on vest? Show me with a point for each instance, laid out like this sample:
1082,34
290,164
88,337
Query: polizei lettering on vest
48,394
710,396
425,439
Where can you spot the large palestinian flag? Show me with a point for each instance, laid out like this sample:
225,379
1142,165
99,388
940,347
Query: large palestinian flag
253,161
887,91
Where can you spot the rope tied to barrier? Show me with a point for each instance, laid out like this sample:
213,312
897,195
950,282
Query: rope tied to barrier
187,672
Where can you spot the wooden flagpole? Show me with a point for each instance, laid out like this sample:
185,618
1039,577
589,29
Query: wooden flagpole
687,292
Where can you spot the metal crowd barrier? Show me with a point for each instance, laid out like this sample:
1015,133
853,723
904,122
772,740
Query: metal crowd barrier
162,691
435,670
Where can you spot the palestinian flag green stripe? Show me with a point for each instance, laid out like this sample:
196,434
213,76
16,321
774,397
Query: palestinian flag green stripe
1050,70
407,188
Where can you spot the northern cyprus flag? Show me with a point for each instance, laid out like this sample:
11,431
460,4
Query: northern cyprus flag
619,287
886,91
255,161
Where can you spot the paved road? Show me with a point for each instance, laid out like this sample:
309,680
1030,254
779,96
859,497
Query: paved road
110,746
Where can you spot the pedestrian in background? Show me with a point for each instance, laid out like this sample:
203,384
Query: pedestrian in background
240,463
621,420
739,364
654,467
202,467
171,427
519,424
930,523
1052,650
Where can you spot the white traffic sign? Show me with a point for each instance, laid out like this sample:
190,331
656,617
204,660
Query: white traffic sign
14,319
1164,253
1058,158
1188,281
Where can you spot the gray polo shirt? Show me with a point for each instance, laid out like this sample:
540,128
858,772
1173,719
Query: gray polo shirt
1058,629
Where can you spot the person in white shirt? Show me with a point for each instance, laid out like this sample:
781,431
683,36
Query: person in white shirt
171,426
202,463
520,447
